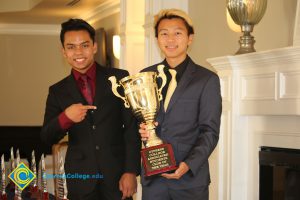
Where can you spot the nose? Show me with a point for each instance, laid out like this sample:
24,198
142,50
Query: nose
78,49
171,37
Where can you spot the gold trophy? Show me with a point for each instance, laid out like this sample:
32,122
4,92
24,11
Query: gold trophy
143,96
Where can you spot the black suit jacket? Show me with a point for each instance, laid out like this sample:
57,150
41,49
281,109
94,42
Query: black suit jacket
191,124
106,141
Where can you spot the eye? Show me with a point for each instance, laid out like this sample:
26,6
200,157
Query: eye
70,47
163,34
85,46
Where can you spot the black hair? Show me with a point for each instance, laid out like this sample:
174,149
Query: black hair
76,25
189,28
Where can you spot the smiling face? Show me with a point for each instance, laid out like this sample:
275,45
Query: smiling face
79,50
173,40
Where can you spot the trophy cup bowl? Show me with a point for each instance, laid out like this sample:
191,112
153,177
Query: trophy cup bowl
143,96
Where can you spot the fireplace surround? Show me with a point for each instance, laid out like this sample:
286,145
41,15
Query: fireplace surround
261,108
279,173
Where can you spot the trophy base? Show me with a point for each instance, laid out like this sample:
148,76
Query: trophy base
158,159
3,197
45,195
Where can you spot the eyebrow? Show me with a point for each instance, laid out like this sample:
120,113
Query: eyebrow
165,29
79,44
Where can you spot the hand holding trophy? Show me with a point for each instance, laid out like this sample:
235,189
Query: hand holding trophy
143,96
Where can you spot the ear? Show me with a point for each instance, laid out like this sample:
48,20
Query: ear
95,47
63,51
190,39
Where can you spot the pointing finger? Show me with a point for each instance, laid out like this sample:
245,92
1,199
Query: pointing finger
89,107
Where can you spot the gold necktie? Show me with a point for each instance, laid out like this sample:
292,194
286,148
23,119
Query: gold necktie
171,88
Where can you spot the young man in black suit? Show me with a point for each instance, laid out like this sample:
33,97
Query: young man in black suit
103,134
189,117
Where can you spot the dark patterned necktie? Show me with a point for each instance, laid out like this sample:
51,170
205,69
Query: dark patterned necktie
86,89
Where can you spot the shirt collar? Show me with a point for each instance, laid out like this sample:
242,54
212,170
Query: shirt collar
179,68
90,73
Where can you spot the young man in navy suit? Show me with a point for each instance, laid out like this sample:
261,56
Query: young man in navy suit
103,134
189,117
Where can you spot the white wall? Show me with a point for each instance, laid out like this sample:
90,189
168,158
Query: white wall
213,37
29,65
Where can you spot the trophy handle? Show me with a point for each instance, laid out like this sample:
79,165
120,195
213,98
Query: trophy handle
114,87
162,75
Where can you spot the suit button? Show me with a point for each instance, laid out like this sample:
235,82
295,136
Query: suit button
164,129
94,127
92,112
97,147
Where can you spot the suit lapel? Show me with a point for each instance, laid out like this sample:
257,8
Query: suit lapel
74,91
101,85
183,83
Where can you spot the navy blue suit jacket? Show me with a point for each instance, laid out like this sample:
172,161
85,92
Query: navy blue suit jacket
191,124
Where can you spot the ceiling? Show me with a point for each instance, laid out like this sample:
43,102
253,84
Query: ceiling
44,11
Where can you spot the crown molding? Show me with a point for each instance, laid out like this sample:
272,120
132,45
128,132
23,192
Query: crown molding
17,6
105,9
29,29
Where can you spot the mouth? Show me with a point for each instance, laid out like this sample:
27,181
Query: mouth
79,60
171,47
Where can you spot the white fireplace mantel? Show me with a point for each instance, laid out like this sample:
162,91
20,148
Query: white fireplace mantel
266,83
261,107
